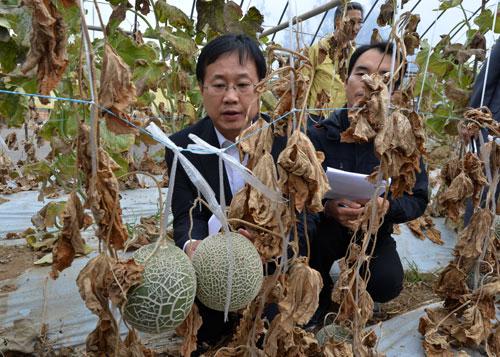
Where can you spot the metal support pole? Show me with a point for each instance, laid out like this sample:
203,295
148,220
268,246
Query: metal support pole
303,17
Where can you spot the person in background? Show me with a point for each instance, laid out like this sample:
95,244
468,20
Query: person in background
322,77
491,99
333,235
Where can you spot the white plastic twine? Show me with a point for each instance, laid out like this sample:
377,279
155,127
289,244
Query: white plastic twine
427,61
209,195
292,61
93,121
488,58
203,147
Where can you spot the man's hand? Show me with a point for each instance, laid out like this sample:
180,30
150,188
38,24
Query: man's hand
466,134
191,247
245,233
381,204
345,211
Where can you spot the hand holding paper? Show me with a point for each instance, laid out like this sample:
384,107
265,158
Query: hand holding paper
350,185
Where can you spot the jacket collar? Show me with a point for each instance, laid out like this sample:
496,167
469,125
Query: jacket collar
336,123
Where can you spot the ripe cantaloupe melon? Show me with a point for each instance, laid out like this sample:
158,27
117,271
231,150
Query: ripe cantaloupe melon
211,263
165,297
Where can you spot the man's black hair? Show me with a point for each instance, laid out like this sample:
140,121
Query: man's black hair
247,49
339,10
380,46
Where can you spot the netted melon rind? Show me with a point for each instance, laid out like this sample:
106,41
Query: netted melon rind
211,263
496,225
333,330
165,297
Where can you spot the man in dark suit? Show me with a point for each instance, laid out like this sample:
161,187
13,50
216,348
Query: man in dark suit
492,101
492,89
227,71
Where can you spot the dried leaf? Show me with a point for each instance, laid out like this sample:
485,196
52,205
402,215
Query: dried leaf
424,227
102,193
48,46
458,191
70,240
188,329
105,338
386,13
451,283
346,290
470,240
301,174
116,91
302,295
125,274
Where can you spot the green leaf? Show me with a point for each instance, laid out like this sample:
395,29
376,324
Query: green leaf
115,142
117,2
182,43
8,55
152,71
45,260
252,22
485,21
232,15
130,51
72,19
13,108
210,13
173,15
121,162
447,4
435,124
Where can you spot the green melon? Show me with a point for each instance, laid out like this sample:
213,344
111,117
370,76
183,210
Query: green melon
211,263
165,296
333,330
496,225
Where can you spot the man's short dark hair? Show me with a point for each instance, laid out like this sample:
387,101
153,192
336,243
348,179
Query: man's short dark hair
339,11
247,49
380,46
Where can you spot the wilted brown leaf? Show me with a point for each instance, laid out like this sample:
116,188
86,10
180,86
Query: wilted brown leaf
494,341
451,283
301,174
70,240
302,295
458,95
124,274
369,118
346,290
105,339
424,227
11,140
376,37
48,46
116,91
386,13
460,188
470,240
478,41
102,193
411,37
188,330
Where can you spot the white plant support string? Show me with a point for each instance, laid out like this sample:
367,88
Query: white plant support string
427,61
209,195
91,86
292,62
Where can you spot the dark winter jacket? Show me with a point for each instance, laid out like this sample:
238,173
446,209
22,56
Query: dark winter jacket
360,158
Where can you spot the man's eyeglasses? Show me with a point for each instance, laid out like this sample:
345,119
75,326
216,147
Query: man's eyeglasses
219,89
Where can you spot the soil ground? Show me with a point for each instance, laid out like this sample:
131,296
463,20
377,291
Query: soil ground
15,260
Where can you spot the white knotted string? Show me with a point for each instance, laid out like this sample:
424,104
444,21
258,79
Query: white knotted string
209,195
203,147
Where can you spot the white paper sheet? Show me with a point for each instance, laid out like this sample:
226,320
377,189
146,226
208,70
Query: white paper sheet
350,185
